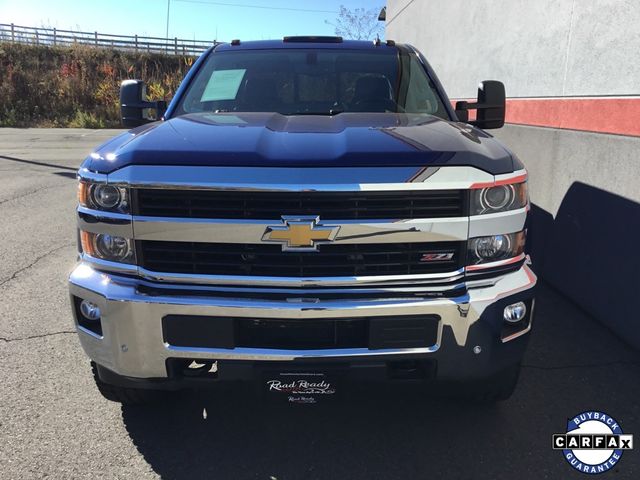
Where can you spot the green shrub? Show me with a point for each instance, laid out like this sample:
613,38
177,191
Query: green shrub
86,120
77,86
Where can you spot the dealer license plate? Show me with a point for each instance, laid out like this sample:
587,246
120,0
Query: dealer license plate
300,387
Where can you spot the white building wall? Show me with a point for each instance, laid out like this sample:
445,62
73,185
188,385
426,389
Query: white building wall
536,47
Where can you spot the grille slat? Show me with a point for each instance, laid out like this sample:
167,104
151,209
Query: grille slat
273,205
269,260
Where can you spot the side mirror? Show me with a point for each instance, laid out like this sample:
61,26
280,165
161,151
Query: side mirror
133,103
490,106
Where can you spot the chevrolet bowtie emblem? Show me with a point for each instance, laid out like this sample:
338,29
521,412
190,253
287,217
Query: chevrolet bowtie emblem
300,234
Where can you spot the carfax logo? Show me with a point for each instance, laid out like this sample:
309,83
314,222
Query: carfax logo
594,442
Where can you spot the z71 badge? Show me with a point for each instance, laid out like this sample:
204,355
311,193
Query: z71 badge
436,257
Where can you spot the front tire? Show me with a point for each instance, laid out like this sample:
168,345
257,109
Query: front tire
123,395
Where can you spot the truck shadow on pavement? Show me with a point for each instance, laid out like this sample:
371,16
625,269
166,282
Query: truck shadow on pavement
399,431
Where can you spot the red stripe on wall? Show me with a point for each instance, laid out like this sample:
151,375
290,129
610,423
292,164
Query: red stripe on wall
617,115
605,115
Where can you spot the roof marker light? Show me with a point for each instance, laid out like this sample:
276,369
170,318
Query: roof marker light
312,39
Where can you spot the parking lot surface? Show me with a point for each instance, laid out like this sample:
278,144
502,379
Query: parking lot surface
53,422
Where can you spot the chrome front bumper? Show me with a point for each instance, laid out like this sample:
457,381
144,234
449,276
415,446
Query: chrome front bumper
132,343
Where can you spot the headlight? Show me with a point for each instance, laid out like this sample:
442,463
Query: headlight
496,247
102,196
499,198
106,196
108,247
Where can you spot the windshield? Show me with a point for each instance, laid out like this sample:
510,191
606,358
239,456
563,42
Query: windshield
312,82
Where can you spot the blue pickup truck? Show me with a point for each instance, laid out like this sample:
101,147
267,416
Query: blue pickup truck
304,209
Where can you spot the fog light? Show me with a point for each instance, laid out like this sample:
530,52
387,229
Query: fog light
89,310
515,312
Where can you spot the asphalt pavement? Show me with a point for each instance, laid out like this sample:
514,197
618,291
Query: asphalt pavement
54,423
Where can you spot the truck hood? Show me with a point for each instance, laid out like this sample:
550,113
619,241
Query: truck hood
275,140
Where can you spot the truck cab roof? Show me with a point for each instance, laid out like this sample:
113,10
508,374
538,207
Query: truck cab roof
306,42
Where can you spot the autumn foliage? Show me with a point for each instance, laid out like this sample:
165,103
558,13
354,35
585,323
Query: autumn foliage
77,86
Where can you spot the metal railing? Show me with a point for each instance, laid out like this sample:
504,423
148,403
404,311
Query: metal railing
54,37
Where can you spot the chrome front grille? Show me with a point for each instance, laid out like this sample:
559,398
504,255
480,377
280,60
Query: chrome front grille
331,260
254,205
209,226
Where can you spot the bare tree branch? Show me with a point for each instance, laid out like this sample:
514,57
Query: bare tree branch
358,24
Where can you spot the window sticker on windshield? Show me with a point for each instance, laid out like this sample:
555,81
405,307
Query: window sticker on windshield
223,85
